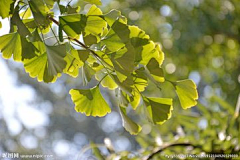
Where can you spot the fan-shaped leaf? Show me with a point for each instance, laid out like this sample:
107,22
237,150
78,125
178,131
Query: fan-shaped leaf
90,102
5,8
48,65
10,44
129,124
187,93
73,25
155,71
97,2
159,109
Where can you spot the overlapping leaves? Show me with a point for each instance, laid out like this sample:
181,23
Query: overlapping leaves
101,46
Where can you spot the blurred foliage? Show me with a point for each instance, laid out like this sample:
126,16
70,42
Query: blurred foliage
200,39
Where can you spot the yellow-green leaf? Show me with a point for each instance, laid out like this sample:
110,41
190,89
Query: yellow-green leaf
10,44
132,127
5,8
155,71
187,93
106,80
90,102
97,2
48,65
158,109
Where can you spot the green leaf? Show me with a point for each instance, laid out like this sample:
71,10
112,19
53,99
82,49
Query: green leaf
95,24
28,49
113,41
39,11
90,102
10,44
158,109
48,65
0,24
187,93
87,73
155,70
106,80
73,25
113,15
97,2
96,151
129,124
22,29
5,8
121,30
73,63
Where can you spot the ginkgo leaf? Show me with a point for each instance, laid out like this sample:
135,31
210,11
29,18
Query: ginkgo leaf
39,11
113,41
73,24
113,15
132,127
73,63
5,8
22,29
187,93
155,71
97,2
106,80
10,44
89,102
158,109
48,65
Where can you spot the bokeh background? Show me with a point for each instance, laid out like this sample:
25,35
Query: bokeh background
200,39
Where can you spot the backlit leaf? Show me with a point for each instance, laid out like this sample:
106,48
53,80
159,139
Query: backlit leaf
155,71
48,65
73,25
129,124
97,2
5,8
10,44
107,81
158,109
39,11
187,93
90,102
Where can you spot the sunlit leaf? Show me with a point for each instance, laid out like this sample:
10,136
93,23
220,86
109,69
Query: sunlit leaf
48,65
5,8
106,80
90,102
73,62
155,71
129,124
113,41
22,29
159,109
187,93
97,2
39,11
87,73
10,44
73,25
113,15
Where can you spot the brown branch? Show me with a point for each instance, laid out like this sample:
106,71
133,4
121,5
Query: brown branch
171,145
